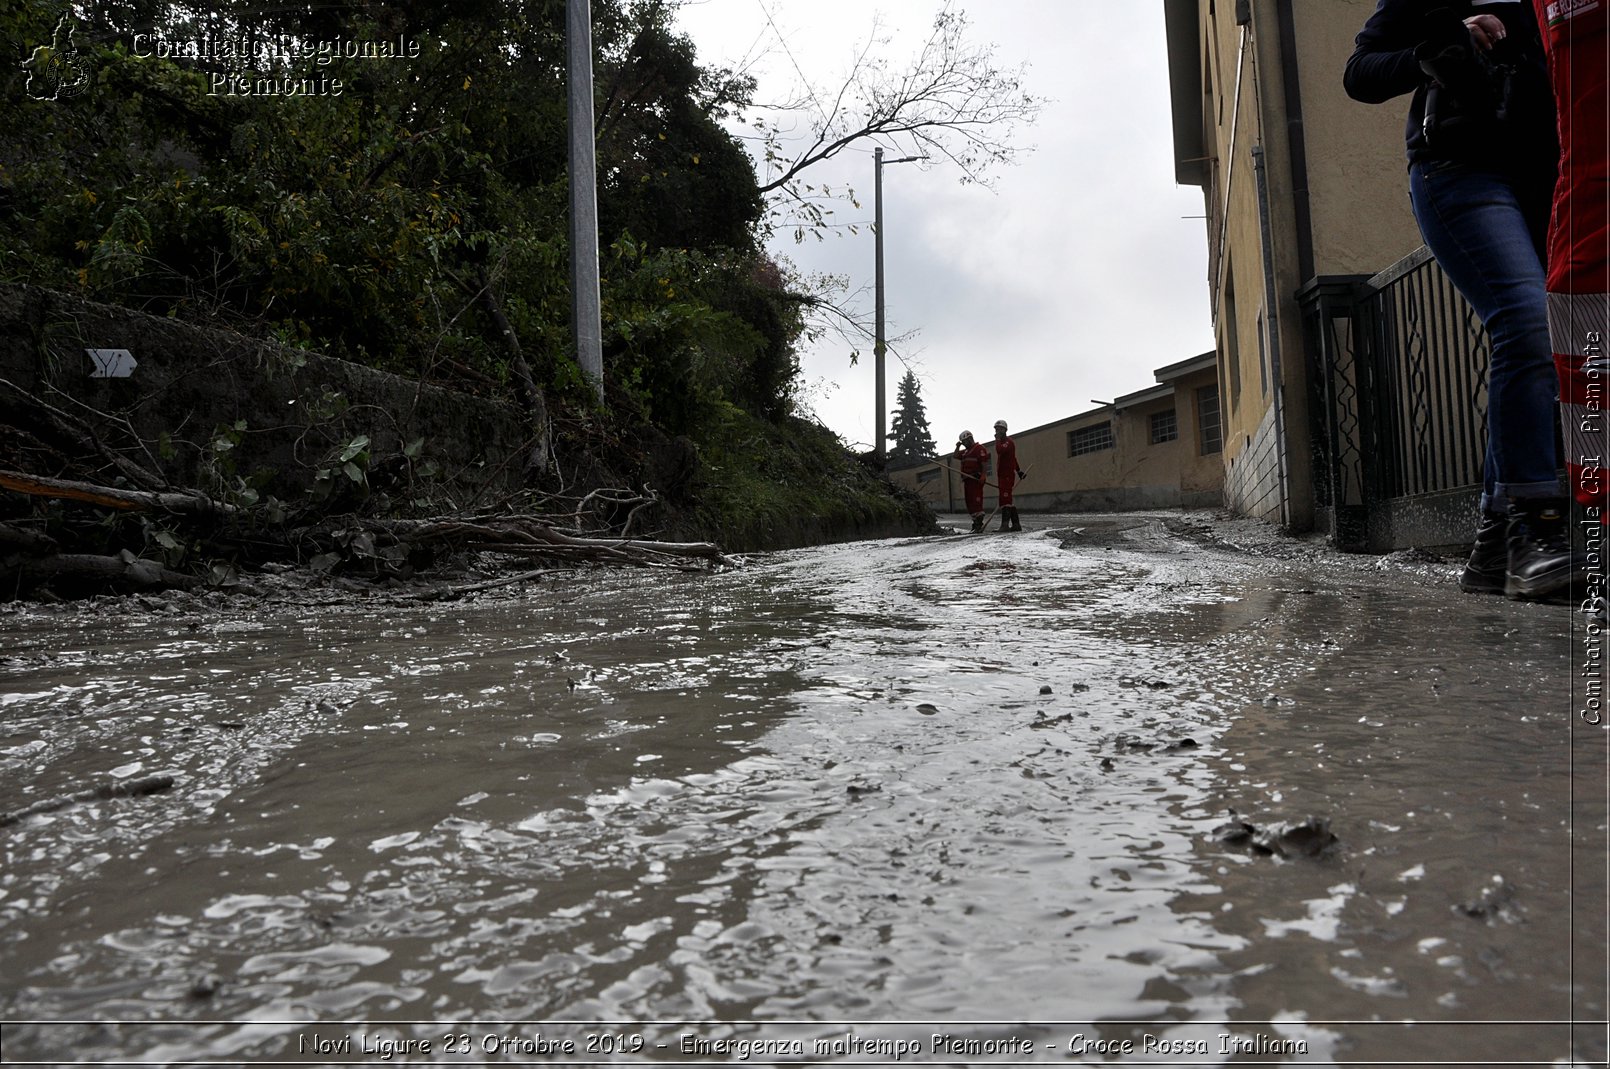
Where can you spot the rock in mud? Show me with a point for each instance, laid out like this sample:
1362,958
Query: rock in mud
205,987
1494,902
1311,838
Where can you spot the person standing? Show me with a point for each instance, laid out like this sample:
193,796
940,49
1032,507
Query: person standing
1576,37
972,456
1482,164
1007,473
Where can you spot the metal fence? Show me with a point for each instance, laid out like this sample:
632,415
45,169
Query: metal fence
1398,396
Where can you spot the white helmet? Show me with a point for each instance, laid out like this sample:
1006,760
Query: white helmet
967,436
1000,424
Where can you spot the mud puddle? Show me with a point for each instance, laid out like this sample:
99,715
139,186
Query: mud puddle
987,787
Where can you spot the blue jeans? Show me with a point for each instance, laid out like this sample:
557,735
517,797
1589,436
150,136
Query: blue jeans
1487,231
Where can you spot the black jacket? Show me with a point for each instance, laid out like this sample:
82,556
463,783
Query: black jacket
1466,126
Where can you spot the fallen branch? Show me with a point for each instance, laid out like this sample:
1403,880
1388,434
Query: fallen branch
112,497
82,435
126,568
26,540
134,789
446,593
529,535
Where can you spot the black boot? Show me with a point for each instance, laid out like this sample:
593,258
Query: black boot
1488,565
1006,518
1017,524
978,522
1542,563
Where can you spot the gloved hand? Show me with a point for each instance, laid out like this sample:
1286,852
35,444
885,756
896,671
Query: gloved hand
1021,474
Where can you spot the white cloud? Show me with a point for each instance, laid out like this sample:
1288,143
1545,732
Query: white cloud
1072,281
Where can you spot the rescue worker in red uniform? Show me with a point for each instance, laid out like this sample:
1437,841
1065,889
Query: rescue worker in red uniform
972,457
1007,473
1576,38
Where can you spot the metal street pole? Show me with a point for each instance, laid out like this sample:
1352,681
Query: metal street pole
585,305
880,448
880,444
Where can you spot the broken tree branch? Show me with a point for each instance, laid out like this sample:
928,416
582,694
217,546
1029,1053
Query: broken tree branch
187,503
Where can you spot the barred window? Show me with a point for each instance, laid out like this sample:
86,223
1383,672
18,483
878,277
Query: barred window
1091,439
1207,419
1165,428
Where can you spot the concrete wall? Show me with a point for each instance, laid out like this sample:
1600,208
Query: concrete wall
1135,473
192,381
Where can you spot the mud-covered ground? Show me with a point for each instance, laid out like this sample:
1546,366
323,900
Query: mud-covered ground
1151,789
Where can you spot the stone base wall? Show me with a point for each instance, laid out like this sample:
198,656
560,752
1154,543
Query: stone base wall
298,408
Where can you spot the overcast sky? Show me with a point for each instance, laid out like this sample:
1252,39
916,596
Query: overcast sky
1067,284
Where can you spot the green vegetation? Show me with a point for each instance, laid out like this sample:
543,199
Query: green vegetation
908,427
403,220
772,485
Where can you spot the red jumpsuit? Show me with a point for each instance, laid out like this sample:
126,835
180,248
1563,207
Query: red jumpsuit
1005,469
1576,34
972,459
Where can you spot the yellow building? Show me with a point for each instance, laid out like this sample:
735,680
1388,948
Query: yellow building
1155,448
1306,196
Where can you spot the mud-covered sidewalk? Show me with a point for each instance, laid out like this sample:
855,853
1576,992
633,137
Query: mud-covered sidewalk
1162,788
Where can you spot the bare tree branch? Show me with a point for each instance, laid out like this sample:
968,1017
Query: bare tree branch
952,102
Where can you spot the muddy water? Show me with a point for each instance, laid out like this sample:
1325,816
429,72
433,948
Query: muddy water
978,787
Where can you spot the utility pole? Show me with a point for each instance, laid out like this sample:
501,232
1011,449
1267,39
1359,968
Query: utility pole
880,448
585,305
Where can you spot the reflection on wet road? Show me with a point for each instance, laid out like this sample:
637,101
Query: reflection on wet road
934,781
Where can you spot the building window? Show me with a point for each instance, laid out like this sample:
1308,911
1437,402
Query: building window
1165,428
928,476
1207,419
1263,358
1091,439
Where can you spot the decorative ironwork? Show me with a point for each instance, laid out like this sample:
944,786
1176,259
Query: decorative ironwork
1398,384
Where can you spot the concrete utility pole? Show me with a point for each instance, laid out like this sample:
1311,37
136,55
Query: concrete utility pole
880,448
585,305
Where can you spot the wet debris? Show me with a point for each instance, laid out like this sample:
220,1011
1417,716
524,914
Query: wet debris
206,986
105,792
1409,558
1494,902
1043,721
1045,688
1149,684
927,709
1136,744
861,790
1311,838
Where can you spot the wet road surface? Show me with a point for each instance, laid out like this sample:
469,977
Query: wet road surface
1064,796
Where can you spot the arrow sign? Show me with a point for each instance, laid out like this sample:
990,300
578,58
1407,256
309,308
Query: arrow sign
112,363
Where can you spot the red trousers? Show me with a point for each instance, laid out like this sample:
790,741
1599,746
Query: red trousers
1576,34
973,492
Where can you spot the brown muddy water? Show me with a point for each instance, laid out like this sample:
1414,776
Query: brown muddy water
956,800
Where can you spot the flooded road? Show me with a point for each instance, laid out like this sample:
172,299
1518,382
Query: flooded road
1065,796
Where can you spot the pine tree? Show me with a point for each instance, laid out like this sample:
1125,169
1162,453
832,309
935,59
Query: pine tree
908,427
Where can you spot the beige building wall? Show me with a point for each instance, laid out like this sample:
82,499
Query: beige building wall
1358,174
1299,183
1134,472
